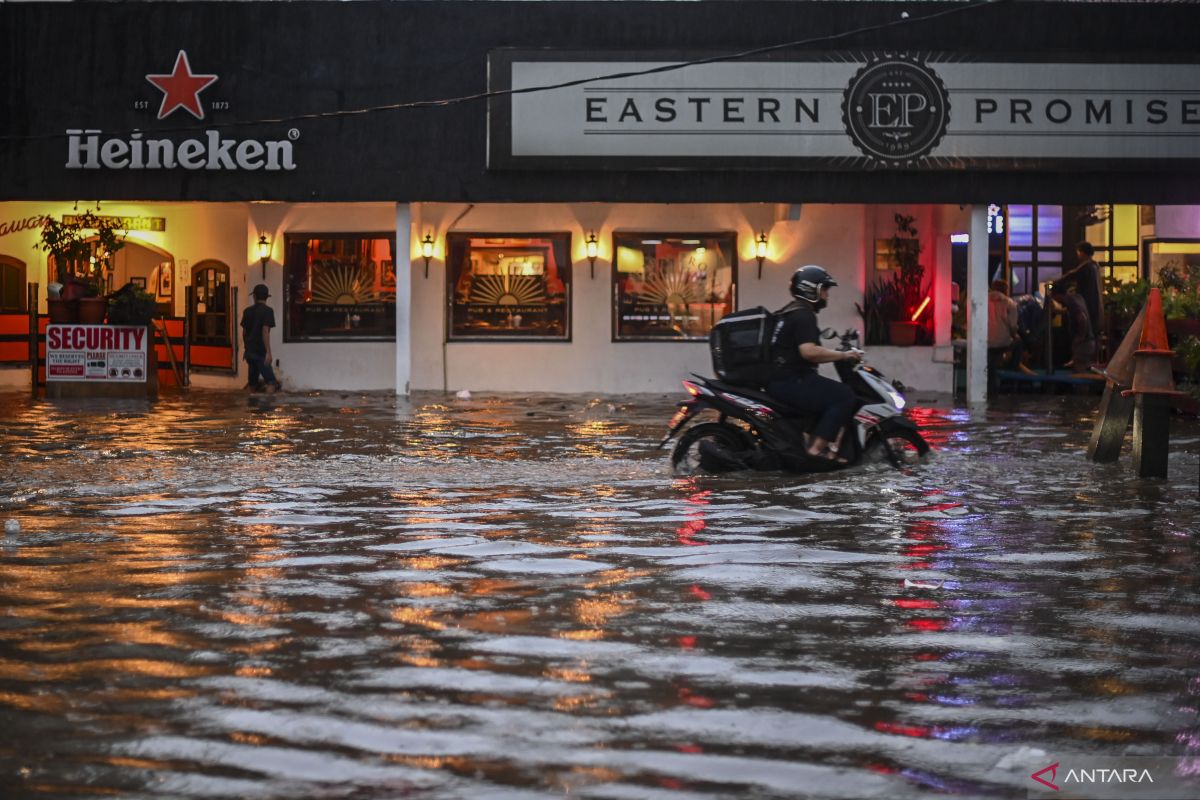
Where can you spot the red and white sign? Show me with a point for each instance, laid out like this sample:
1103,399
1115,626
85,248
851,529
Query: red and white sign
89,148
114,353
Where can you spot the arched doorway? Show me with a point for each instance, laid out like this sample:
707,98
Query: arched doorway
148,267
211,302
12,285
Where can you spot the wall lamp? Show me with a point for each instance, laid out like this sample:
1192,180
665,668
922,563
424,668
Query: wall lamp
264,252
427,251
760,251
593,250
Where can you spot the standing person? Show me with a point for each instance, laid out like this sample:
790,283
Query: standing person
257,321
1083,340
1086,279
797,352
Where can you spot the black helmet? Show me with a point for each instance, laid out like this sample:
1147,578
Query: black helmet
808,281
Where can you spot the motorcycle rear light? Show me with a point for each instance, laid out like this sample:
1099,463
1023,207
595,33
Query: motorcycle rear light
695,390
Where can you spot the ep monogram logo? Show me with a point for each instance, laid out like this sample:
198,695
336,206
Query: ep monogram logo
896,110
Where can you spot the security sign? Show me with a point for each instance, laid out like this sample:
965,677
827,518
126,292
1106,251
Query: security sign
113,353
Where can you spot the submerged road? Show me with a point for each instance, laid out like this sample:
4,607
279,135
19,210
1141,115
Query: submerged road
512,597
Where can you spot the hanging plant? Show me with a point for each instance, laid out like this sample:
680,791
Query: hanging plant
79,256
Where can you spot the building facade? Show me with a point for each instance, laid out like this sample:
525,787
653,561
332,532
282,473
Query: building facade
466,195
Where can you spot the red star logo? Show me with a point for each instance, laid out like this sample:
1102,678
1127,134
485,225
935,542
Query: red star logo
181,88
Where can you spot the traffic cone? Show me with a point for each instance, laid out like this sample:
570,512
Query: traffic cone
1152,359
1119,369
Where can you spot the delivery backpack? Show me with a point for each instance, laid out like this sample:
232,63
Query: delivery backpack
740,344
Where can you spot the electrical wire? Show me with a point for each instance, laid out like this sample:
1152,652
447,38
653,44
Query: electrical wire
905,19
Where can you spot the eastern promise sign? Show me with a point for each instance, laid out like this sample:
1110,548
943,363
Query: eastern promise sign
111,353
840,111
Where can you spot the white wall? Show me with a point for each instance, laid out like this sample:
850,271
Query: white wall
826,235
350,366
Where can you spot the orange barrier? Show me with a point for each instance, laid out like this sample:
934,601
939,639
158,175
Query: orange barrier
14,338
212,356
174,331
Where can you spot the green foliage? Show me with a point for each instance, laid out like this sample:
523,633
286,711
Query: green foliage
1180,286
71,246
1123,300
898,295
131,306
1189,352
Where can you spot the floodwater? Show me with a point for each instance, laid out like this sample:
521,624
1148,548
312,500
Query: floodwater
346,596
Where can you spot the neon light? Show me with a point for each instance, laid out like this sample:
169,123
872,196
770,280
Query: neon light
924,303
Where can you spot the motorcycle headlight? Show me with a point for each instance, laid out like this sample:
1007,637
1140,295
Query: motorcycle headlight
897,398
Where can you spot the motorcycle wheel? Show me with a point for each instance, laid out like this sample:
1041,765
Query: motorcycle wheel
685,458
902,447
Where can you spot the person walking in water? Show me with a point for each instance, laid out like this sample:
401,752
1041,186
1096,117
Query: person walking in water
257,321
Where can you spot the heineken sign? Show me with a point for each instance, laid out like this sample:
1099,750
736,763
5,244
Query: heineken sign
851,111
87,150
195,149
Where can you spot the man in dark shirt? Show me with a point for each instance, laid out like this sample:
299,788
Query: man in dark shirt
257,321
797,352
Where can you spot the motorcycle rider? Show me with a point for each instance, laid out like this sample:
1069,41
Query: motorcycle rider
796,353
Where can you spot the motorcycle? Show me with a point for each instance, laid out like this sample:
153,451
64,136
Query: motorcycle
755,431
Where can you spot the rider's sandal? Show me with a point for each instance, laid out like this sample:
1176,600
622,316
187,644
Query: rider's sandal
828,455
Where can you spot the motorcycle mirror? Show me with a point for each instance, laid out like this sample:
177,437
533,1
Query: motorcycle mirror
828,333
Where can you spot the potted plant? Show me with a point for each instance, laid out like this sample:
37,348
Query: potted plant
1181,298
130,305
892,306
83,263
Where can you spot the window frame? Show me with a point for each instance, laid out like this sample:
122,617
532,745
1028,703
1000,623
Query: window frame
221,268
614,280
22,283
1110,255
1147,256
1036,263
566,275
290,238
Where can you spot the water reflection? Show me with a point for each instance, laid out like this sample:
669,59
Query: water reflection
357,596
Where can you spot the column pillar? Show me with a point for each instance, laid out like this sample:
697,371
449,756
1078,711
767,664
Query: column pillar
977,314
405,275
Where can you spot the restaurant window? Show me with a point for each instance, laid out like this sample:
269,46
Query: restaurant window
1113,231
672,286
506,286
1180,255
12,284
1035,246
339,286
